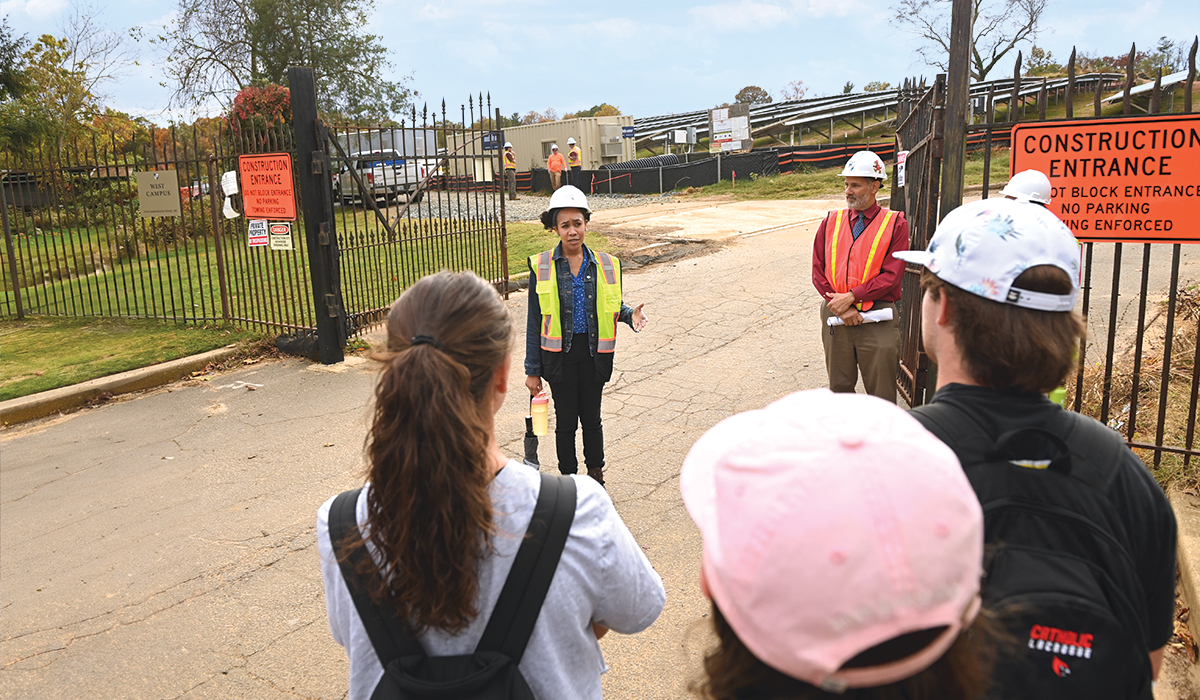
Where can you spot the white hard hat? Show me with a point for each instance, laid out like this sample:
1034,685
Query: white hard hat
568,196
508,144
554,146
571,141
865,164
1028,186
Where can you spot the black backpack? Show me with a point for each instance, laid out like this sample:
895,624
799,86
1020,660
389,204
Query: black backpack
1057,560
490,673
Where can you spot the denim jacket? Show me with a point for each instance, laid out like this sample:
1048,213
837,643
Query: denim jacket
548,365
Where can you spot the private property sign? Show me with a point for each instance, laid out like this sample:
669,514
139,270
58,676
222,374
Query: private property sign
267,189
1119,179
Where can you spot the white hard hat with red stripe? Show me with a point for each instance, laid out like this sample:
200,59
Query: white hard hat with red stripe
1028,186
865,164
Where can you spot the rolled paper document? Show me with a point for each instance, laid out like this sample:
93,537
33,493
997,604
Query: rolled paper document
868,317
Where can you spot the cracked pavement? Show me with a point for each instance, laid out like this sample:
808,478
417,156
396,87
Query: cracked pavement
163,546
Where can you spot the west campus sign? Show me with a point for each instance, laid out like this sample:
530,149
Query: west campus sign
1132,179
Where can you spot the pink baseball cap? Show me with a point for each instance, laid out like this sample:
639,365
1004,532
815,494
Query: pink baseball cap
833,523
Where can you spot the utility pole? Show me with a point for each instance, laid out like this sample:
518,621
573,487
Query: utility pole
958,95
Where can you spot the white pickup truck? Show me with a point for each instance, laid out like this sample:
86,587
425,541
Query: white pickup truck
386,175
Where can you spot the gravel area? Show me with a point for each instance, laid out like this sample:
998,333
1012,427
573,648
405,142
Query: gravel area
527,207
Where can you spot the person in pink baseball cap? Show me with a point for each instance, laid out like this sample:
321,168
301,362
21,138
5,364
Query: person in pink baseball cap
843,550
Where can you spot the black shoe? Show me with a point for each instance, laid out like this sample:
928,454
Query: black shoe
598,475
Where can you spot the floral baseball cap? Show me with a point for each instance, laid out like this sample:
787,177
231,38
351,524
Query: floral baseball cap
981,247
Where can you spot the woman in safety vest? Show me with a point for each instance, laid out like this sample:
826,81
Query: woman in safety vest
574,307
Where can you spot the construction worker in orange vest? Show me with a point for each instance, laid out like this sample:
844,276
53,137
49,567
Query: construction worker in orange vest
575,162
510,170
859,282
556,164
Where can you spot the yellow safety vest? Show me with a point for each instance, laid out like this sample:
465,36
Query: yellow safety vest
510,160
575,157
608,300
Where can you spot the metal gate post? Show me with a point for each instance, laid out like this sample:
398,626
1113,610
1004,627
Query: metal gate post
12,257
219,248
958,94
313,174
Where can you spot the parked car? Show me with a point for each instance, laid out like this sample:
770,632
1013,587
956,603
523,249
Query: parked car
385,174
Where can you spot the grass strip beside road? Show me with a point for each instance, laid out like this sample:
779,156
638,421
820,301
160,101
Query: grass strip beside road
43,353
808,183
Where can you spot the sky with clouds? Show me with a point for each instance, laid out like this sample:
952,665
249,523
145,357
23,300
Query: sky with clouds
647,58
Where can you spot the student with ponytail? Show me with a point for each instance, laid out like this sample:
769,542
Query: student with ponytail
444,511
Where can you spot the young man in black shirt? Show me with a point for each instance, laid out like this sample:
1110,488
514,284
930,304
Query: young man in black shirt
999,320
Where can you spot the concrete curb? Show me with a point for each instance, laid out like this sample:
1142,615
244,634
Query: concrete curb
66,398
1187,551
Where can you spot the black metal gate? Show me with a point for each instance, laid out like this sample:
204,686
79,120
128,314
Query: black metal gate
1135,375
920,120
414,199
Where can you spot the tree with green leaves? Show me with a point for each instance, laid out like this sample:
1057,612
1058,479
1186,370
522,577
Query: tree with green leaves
752,95
216,48
1041,62
12,77
848,88
877,86
63,78
998,26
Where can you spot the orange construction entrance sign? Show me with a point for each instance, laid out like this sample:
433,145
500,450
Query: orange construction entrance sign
268,191
1131,179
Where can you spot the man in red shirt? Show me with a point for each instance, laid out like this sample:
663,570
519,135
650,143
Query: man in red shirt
855,273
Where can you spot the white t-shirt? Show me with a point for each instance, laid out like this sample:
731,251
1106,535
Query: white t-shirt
602,576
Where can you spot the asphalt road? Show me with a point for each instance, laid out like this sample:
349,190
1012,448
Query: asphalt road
163,546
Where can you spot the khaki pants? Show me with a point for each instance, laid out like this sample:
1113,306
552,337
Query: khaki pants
873,348
555,179
510,178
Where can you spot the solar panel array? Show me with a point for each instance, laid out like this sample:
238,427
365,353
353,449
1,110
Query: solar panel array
777,118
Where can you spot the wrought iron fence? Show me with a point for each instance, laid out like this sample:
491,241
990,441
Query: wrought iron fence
1137,376
413,199
920,125
77,245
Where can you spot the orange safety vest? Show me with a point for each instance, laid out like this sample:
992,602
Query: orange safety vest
849,263
556,162
575,157
510,160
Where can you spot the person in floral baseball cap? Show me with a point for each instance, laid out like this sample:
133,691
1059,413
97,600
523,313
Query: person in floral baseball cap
998,318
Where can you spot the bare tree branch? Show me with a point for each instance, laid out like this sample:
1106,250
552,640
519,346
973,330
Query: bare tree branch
998,27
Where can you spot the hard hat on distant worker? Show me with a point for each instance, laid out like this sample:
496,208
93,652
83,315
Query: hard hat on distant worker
508,144
571,141
554,146
568,196
865,164
1028,186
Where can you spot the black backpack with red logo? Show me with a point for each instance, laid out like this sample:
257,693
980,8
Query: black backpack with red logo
1057,560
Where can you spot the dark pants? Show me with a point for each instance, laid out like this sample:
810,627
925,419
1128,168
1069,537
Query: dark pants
576,401
577,176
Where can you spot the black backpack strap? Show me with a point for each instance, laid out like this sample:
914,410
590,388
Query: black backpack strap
971,441
520,602
389,636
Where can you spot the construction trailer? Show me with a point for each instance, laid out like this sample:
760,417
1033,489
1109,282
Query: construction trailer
601,140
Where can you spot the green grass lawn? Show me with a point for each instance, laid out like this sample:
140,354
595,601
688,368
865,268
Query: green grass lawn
47,352
42,353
